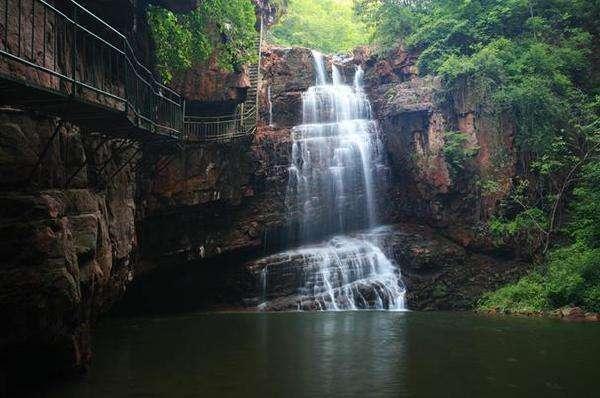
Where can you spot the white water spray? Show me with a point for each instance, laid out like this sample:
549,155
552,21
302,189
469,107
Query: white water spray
331,190
319,68
270,104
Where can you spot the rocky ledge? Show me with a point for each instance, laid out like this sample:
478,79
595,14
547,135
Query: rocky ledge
438,273
567,314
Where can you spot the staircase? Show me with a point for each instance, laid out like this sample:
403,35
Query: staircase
226,128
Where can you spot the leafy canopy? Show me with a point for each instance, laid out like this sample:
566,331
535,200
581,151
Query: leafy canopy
326,25
533,62
223,27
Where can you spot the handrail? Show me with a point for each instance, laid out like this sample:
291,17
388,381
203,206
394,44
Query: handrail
97,62
77,54
242,123
218,119
98,19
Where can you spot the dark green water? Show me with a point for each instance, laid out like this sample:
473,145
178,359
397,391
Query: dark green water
349,354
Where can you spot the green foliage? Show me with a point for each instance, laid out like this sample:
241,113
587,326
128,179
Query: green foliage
392,20
326,25
223,27
526,295
572,273
585,221
457,151
529,56
530,61
281,6
526,224
489,186
572,277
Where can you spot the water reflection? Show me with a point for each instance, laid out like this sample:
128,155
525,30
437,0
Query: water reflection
347,354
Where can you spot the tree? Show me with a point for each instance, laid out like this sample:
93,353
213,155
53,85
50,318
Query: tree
326,25
532,61
224,27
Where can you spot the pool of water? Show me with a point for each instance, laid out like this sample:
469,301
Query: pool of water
340,354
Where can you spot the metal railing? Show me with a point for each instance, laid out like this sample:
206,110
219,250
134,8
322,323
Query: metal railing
241,123
76,54
221,128
71,52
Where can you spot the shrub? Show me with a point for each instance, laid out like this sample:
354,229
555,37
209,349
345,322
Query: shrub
457,152
526,295
226,28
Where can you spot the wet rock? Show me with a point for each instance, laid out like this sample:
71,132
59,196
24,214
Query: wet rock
288,72
64,249
592,317
438,273
208,83
574,314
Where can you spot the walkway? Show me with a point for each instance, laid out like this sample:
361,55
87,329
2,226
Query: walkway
70,63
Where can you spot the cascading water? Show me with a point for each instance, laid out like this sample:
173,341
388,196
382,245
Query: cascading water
334,155
333,177
270,104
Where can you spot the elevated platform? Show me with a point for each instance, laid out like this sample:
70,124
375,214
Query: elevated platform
88,115
66,62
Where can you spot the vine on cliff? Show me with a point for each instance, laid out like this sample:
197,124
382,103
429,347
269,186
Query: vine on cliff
457,151
225,28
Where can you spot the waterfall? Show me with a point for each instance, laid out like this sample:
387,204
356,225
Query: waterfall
270,104
336,76
349,273
332,185
358,78
334,153
319,67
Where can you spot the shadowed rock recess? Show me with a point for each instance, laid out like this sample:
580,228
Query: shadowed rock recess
221,225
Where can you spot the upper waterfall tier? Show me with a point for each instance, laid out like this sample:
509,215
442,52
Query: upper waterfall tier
335,158
334,103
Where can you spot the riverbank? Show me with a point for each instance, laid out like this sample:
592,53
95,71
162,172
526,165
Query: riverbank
567,314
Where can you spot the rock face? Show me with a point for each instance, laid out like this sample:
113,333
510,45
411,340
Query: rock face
230,197
287,73
416,116
67,248
441,274
212,87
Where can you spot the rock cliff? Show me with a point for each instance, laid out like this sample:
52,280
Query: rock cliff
229,200
77,228
68,239
455,195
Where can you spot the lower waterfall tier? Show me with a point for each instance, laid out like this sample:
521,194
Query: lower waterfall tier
345,273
